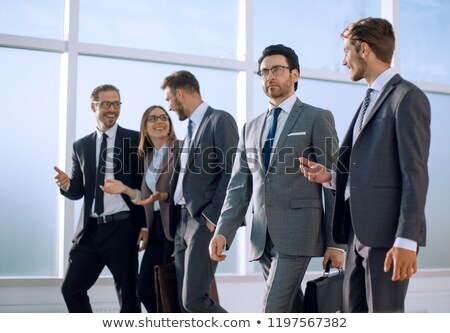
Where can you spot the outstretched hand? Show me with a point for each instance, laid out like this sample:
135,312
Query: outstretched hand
314,172
152,198
113,186
62,178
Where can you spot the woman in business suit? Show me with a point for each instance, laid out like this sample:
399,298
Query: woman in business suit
157,152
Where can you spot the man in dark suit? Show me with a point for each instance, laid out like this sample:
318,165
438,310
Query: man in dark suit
198,187
110,226
381,179
291,223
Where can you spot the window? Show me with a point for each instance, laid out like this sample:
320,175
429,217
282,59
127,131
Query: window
311,28
29,150
422,23
121,42
42,18
201,27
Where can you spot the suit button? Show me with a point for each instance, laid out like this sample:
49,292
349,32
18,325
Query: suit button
267,180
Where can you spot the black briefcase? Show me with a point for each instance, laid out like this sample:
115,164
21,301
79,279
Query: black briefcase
324,294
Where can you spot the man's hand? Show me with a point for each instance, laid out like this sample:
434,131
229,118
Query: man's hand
315,172
405,263
62,179
336,257
113,186
142,240
217,247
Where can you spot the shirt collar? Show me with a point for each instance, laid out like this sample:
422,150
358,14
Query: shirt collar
197,116
382,79
111,132
286,105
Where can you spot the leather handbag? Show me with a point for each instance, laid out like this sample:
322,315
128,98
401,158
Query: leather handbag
324,294
167,290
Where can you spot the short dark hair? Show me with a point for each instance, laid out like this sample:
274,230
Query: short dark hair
103,87
287,52
181,79
376,32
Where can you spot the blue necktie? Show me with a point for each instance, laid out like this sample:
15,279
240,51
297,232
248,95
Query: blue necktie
267,149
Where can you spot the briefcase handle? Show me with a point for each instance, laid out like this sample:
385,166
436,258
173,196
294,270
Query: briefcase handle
328,267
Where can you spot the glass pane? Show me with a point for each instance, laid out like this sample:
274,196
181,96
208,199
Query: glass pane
142,89
308,27
29,143
200,27
43,18
435,254
425,23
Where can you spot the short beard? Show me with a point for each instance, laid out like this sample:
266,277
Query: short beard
361,71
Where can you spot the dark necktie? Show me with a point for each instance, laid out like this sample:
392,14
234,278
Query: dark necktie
267,149
362,113
189,135
100,177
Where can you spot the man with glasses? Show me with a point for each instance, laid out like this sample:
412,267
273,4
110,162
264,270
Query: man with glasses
110,227
289,223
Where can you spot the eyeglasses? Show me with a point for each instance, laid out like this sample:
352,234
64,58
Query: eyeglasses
154,119
276,71
106,105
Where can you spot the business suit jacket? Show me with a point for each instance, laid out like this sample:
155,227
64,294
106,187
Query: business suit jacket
284,202
162,185
388,170
82,182
208,167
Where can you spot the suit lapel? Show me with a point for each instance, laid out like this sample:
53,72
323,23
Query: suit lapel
289,124
384,94
260,123
91,161
164,167
198,135
118,149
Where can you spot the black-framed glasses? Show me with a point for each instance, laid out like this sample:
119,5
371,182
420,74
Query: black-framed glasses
154,119
106,105
276,71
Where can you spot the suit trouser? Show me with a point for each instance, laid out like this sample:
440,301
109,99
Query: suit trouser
194,267
367,288
112,245
283,276
159,251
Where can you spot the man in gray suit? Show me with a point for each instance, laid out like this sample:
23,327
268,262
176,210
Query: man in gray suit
289,223
382,178
198,187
